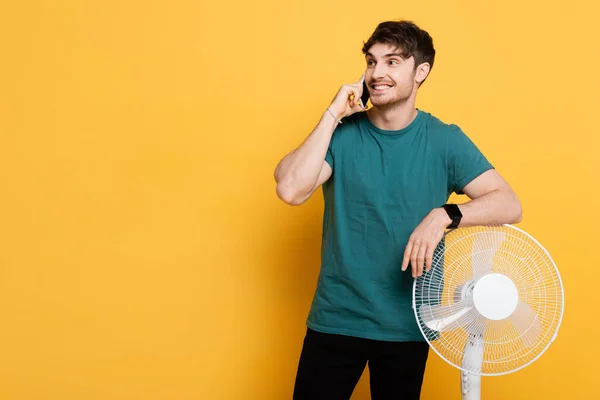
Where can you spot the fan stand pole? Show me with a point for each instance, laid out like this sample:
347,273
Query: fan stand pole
470,383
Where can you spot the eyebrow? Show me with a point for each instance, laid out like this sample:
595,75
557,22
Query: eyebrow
386,56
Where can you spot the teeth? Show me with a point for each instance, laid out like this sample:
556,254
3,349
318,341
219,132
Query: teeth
381,87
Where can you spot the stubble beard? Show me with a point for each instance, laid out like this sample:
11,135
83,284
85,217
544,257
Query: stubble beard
398,100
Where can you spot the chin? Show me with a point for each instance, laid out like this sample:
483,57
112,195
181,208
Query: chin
390,101
384,102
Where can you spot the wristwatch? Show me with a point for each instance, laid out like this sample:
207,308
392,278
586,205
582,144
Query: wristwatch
454,213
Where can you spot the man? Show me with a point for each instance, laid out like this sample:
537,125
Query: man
386,174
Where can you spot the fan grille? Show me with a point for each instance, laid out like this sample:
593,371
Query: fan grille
509,344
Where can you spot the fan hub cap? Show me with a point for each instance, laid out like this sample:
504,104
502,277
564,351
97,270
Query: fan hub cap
495,296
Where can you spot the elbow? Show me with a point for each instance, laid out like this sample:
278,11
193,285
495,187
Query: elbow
518,217
517,214
512,208
289,195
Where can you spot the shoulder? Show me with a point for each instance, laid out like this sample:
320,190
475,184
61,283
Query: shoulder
435,125
349,127
354,119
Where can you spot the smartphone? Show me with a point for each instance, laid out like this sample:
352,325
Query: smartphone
365,93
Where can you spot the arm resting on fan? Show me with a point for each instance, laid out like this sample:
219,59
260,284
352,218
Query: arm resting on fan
493,202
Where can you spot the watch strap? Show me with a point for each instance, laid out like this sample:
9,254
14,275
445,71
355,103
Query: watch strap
454,213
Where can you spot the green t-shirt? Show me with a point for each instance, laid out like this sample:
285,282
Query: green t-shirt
383,184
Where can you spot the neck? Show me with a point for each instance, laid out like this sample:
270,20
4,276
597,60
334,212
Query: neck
393,117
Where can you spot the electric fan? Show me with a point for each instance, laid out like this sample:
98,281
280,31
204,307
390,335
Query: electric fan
491,303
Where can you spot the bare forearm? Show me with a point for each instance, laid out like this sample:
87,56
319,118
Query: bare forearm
494,208
299,170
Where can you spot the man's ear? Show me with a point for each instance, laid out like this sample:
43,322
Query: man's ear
422,72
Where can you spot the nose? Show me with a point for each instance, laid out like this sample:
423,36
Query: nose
379,71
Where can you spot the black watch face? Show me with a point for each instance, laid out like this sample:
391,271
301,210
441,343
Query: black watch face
453,211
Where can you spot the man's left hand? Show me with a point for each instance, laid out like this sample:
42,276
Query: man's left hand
423,241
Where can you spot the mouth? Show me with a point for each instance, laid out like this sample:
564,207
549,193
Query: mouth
380,88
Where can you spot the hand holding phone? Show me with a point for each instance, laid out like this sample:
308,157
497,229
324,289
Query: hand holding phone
351,98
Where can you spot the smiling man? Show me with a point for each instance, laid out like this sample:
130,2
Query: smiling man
386,174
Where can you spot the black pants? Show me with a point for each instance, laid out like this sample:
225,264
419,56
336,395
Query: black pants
331,365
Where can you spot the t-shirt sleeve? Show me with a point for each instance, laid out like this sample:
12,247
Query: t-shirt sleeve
465,160
329,155
335,144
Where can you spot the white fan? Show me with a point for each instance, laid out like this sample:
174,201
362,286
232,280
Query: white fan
491,303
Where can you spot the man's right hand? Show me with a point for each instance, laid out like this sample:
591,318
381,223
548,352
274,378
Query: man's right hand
347,100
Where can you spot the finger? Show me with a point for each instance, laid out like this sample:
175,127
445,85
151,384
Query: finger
407,252
350,90
429,258
421,259
357,94
352,96
356,105
413,258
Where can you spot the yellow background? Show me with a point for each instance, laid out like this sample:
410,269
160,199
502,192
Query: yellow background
144,253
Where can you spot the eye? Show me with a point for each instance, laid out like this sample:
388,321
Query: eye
370,62
394,62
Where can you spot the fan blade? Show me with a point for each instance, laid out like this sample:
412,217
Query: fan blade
445,318
476,327
484,248
527,323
